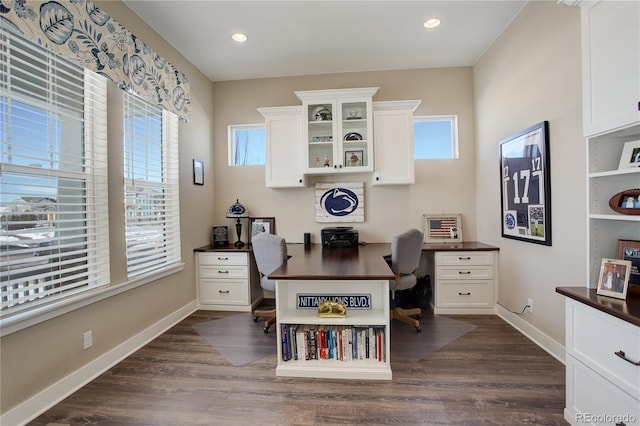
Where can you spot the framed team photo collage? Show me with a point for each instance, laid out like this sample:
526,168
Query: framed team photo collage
525,192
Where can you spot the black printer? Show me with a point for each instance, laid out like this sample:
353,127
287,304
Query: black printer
340,236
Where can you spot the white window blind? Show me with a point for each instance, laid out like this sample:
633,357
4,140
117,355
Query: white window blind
53,177
151,187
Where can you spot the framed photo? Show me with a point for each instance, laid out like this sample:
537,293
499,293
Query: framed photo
630,250
353,158
261,224
525,191
630,157
219,236
614,278
439,228
198,172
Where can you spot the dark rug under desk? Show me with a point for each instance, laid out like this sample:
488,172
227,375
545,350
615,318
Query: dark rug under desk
241,340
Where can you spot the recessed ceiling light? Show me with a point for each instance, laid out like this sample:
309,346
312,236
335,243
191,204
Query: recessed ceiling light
431,23
239,37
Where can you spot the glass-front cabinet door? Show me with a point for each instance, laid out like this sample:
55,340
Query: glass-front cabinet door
338,130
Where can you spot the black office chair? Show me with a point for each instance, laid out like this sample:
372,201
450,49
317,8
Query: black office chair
406,250
270,251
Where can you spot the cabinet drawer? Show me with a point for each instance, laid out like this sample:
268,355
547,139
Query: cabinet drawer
591,399
223,271
224,292
594,338
469,294
464,258
465,273
222,258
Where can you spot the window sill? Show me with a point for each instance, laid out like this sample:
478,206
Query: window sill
21,320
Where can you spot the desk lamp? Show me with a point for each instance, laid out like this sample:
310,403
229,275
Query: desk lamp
237,211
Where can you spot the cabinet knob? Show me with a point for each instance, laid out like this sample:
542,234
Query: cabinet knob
335,166
300,180
377,177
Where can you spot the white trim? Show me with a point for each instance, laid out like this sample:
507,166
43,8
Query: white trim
545,342
34,316
39,403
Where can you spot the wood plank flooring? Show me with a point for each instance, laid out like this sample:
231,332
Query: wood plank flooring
493,375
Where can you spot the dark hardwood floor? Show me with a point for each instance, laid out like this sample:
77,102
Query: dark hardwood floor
493,375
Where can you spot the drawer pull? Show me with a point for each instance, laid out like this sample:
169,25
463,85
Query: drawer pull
223,272
621,424
464,294
223,292
464,258
223,258
622,355
464,272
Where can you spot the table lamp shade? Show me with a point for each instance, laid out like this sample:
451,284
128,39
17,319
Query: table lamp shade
238,211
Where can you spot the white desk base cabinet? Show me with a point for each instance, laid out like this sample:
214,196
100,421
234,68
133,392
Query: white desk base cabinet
601,386
464,282
227,281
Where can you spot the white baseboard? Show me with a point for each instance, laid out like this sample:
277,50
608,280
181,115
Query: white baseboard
39,403
552,347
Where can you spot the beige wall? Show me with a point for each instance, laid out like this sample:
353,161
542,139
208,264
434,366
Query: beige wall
531,74
41,355
442,186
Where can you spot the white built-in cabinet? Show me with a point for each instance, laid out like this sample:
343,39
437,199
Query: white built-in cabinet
283,131
393,152
610,64
338,130
602,381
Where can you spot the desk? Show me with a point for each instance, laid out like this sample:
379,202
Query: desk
344,272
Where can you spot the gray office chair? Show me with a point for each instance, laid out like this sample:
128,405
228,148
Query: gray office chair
270,251
406,250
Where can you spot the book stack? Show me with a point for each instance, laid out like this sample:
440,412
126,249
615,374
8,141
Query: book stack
329,342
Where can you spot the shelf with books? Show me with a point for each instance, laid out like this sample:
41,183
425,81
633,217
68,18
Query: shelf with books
351,347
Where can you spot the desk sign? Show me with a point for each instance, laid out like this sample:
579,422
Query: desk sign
351,301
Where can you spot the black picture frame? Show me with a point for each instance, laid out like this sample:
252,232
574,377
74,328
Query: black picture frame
261,224
525,189
198,172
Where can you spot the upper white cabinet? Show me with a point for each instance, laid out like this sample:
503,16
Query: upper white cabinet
611,65
393,127
283,127
337,131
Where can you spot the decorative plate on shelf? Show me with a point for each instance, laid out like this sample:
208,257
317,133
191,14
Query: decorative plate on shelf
353,136
321,113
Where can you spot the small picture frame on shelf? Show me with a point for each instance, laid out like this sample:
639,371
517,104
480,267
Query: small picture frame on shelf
442,228
219,236
353,158
630,157
630,250
258,225
613,280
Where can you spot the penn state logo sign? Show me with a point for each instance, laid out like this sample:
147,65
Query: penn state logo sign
339,202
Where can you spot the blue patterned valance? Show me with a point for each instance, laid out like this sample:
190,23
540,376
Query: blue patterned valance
82,33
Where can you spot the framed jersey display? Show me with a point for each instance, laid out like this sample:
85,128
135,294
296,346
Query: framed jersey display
525,192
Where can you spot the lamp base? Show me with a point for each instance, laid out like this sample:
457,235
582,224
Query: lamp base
238,244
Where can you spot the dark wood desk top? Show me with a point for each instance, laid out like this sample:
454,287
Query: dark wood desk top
627,310
315,262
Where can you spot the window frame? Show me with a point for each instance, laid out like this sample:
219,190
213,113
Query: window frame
454,142
232,143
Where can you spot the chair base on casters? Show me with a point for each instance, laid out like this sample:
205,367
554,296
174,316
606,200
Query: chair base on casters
404,315
271,313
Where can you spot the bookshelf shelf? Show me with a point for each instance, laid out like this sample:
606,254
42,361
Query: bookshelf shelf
376,315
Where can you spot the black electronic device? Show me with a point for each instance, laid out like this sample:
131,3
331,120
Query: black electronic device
340,236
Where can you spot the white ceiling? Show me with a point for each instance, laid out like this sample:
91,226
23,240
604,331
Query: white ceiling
305,37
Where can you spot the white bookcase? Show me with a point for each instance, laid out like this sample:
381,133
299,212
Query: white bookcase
288,313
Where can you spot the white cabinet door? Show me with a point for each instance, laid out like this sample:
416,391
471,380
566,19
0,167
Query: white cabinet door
610,65
393,153
337,130
283,127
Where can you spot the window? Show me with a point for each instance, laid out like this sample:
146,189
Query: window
247,145
152,210
53,177
435,137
